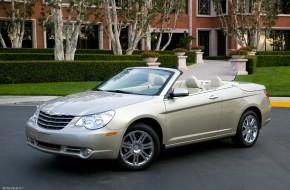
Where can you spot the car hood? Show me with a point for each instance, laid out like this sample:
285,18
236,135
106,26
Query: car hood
91,102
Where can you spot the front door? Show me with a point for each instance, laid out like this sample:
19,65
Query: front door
192,118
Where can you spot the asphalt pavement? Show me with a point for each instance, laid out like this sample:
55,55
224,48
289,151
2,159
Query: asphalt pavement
204,166
204,71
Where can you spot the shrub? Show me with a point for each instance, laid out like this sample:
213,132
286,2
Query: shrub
190,57
180,50
51,50
238,52
251,64
61,71
198,47
273,60
248,48
26,56
273,53
169,61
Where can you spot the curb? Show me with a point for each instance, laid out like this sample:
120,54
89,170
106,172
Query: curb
280,104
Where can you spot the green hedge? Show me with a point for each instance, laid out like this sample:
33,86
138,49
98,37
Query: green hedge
251,64
165,60
11,54
26,56
51,50
273,53
61,71
273,60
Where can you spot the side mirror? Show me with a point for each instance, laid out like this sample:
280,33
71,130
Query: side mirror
179,92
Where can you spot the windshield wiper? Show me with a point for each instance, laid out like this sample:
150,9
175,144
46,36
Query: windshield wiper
120,91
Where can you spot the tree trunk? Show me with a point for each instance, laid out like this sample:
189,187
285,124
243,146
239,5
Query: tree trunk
148,39
159,41
58,33
168,42
2,42
112,26
71,43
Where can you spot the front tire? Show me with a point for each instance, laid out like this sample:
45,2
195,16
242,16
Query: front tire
139,148
248,130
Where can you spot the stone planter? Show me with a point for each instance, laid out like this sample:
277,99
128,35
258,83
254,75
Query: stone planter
238,56
155,64
252,53
179,53
197,50
150,59
238,66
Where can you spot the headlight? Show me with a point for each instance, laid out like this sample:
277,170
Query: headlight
35,115
95,121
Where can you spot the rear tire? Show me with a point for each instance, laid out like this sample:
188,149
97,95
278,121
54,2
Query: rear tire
248,130
139,148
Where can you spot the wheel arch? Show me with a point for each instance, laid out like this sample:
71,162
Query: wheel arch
155,125
257,112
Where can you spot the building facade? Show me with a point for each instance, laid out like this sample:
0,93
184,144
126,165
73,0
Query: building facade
199,20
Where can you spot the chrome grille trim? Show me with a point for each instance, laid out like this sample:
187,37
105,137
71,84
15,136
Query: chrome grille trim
55,122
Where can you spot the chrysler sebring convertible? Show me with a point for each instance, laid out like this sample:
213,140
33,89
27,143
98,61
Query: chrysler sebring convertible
140,111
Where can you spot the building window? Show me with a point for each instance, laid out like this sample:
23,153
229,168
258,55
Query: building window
27,38
221,43
245,6
203,40
184,8
204,7
221,7
88,37
280,40
123,3
283,6
224,6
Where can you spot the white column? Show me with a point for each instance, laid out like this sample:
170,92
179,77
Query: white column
44,39
190,17
34,37
213,42
100,36
130,28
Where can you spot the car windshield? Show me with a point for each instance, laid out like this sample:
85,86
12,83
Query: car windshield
140,81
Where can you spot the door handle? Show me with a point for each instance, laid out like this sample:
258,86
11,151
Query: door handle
213,97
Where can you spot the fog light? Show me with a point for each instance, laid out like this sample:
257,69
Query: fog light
87,152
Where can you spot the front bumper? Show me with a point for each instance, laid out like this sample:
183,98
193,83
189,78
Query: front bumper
75,141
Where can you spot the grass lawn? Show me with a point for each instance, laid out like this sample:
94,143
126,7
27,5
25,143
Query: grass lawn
276,79
57,88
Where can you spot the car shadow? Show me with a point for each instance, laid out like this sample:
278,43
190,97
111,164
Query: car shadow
197,149
53,163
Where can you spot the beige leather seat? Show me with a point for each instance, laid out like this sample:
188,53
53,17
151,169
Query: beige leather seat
193,85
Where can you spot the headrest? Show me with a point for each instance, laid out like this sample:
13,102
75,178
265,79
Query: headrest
216,82
159,81
192,82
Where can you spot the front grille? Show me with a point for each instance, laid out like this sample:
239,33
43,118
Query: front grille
55,122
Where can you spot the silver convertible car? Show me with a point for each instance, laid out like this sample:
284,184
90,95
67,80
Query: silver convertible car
140,111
